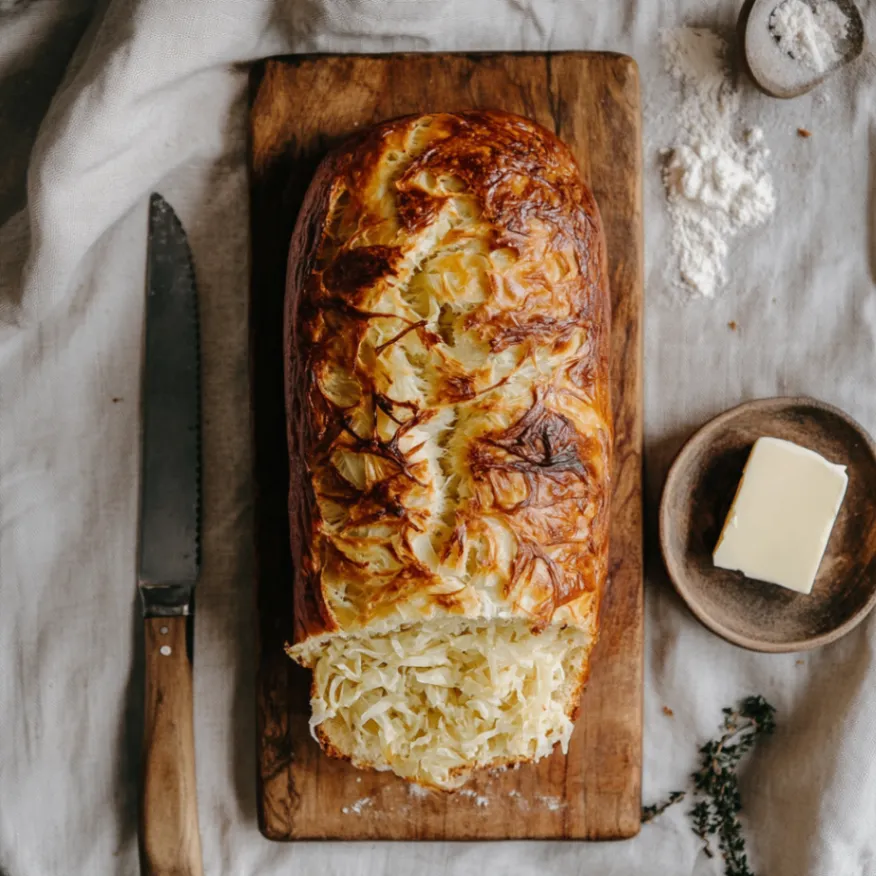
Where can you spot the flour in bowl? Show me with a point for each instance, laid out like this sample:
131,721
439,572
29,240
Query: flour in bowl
810,34
716,181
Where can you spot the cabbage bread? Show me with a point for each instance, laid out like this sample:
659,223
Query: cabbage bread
447,354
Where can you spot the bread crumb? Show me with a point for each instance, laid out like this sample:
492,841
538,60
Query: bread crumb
732,325
522,803
804,133
117,399
479,800
358,779
357,807
799,662
668,712
552,804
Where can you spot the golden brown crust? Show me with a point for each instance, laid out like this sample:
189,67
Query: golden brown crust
446,337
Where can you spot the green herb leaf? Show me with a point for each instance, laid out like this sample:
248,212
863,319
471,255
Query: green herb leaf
716,785
649,813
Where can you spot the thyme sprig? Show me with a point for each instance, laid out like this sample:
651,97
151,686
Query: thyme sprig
717,802
649,813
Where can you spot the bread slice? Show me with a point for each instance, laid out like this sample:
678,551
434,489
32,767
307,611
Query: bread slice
446,332
432,702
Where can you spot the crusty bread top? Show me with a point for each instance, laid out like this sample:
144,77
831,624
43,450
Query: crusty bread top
447,332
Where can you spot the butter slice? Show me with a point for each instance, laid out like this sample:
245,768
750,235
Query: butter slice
782,516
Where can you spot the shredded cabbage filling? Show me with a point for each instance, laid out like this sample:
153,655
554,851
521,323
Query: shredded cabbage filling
432,702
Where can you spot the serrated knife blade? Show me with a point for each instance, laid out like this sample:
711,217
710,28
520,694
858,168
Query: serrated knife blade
169,556
169,560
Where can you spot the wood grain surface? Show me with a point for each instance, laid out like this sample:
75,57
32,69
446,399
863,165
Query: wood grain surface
300,108
170,842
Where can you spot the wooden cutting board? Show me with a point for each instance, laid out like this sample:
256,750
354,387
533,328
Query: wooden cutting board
300,108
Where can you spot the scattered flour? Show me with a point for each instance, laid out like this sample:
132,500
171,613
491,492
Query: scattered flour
479,800
810,34
538,801
357,807
552,804
716,183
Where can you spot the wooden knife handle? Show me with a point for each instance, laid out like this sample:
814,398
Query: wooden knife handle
170,843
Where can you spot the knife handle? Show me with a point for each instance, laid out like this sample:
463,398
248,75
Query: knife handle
170,843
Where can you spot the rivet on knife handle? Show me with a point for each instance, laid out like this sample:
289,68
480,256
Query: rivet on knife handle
170,841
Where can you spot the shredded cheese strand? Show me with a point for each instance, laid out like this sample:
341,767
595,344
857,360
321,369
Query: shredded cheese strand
430,702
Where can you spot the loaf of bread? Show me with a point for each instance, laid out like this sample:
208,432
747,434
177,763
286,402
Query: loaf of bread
447,356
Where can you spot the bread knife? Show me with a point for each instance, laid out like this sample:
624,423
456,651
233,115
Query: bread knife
169,548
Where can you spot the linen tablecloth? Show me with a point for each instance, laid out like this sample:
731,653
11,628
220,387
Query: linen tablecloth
99,105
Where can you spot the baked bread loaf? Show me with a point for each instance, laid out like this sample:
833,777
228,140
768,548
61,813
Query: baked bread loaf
447,355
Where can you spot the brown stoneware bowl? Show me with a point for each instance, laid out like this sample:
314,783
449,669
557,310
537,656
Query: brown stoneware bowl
698,492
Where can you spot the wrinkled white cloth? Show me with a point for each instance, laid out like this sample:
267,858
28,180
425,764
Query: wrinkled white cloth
155,97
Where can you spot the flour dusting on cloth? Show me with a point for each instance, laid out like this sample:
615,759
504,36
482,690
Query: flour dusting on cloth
810,34
716,181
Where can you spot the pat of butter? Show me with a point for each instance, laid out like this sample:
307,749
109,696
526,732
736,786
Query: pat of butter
782,516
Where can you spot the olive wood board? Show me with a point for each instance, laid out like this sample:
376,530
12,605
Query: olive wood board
300,108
